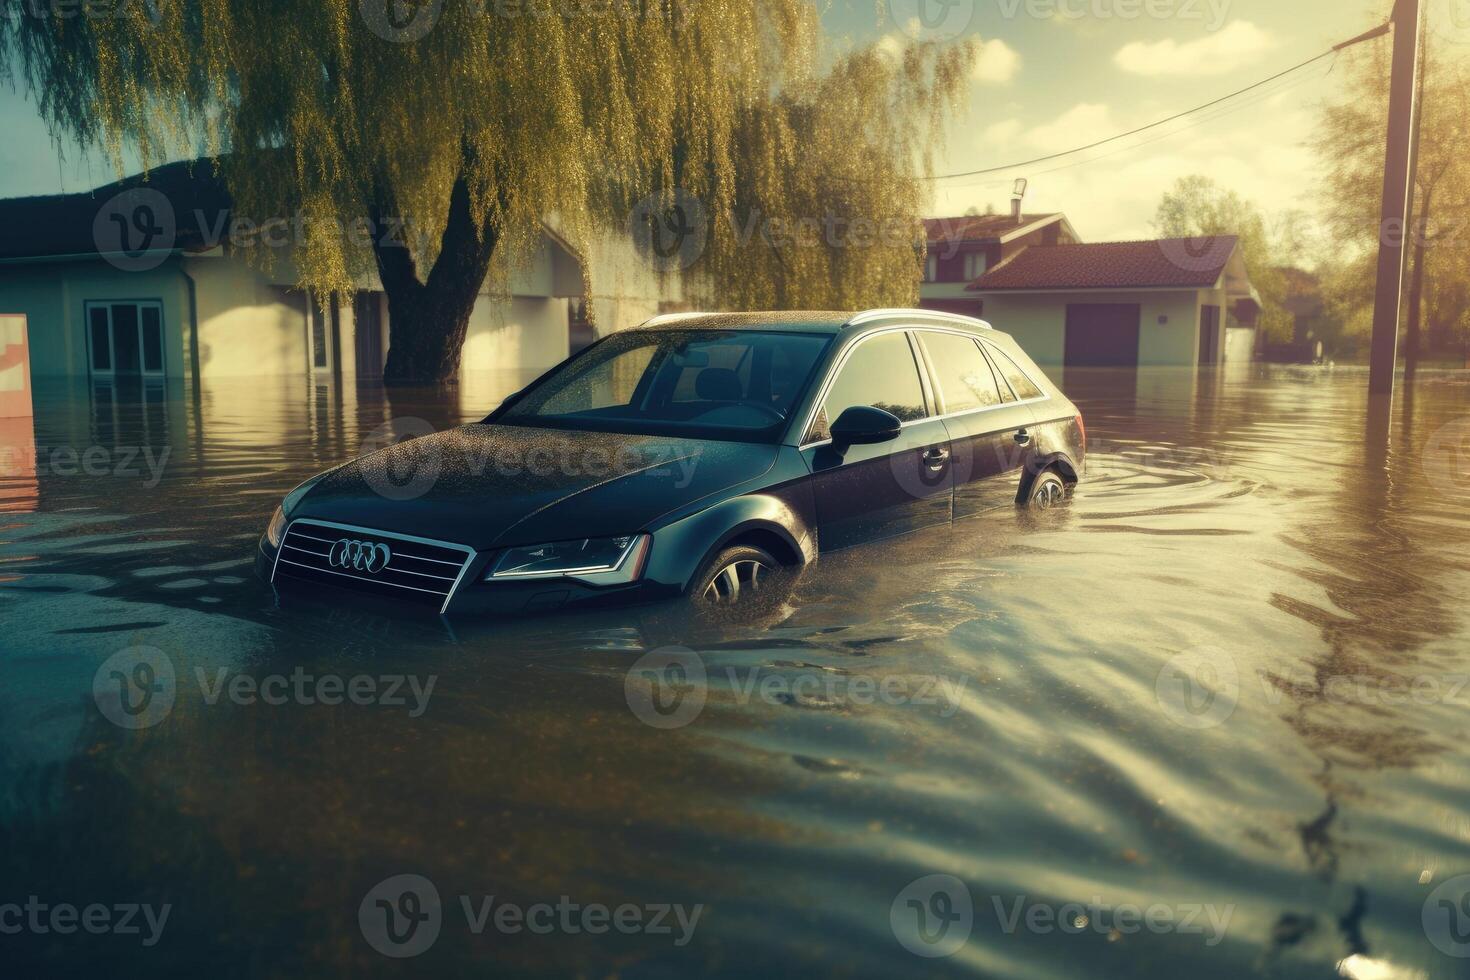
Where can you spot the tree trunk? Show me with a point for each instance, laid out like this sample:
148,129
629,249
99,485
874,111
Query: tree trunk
427,321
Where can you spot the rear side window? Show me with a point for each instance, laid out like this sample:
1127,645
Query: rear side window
882,373
1020,384
965,380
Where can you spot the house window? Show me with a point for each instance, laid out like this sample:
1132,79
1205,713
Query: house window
316,325
125,338
931,268
974,265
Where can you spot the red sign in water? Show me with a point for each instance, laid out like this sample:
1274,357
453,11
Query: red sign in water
18,491
15,368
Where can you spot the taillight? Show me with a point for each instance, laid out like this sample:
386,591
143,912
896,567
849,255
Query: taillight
1082,430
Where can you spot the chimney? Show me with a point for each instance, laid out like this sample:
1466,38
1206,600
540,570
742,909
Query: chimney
1018,195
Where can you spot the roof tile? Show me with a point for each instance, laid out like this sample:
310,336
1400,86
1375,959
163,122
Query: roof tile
1185,263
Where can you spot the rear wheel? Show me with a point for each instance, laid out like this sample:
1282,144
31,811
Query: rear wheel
1048,490
736,576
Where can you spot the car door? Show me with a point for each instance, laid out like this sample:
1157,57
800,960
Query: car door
867,493
988,423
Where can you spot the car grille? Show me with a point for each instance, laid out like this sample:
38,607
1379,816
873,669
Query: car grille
374,562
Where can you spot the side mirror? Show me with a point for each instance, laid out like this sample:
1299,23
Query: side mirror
864,426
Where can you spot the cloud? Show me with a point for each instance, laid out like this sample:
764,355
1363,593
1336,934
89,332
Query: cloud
1114,197
1001,133
1216,54
997,63
1083,123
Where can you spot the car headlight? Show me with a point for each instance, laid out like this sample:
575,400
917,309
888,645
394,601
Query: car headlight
597,561
276,529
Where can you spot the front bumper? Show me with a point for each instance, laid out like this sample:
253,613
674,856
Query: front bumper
473,597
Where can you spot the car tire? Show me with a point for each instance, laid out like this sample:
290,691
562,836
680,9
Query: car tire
1048,490
736,575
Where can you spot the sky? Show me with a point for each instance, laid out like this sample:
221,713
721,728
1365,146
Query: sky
1053,75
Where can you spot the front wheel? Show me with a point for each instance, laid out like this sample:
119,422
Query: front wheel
1047,491
736,576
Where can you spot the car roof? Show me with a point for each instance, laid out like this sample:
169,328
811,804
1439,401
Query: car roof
827,322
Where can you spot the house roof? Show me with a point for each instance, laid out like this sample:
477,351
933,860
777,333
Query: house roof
980,228
1178,263
86,223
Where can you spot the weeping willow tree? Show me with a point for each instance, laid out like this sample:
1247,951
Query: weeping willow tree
464,123
828,194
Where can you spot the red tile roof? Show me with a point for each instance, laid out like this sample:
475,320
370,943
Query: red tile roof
1184,263
977,227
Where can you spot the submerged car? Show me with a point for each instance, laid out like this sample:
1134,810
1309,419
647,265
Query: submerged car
699,455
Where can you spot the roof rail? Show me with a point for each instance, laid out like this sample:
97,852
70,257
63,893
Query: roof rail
938,316
663,318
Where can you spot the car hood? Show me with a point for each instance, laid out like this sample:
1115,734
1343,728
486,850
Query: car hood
493,485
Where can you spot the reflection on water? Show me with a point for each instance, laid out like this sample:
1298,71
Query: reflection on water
1228,684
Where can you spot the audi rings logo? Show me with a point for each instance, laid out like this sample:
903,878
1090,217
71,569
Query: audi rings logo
362,556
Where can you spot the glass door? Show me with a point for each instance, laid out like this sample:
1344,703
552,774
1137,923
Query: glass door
125,339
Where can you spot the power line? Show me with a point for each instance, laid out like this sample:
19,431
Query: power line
1263,97
1376,32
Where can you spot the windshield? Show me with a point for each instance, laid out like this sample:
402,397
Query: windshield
710,384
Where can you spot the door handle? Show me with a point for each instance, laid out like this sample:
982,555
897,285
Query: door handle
1023,438
936,457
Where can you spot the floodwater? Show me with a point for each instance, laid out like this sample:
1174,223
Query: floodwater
1208,720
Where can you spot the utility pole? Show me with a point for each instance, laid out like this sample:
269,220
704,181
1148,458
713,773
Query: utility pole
1397,181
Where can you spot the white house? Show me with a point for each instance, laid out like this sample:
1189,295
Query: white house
1182,301
962,249
141,279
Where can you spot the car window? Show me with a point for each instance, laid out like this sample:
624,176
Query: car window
701,383
613,385
882,373
965,380
1020,384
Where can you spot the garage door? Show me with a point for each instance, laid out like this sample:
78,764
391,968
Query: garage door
1102,334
